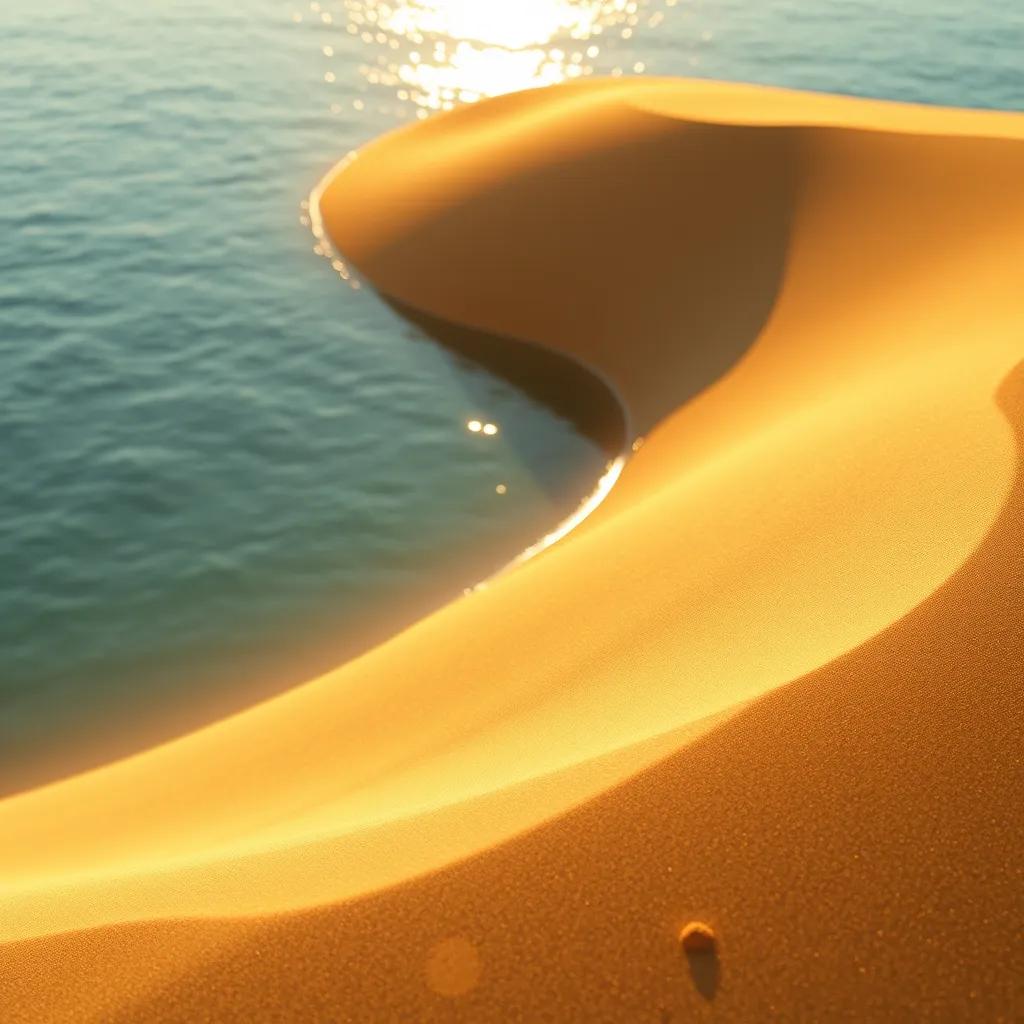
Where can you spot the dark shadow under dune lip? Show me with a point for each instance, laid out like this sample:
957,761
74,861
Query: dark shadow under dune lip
556,380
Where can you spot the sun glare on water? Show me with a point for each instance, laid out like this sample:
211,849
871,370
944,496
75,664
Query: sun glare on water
436,54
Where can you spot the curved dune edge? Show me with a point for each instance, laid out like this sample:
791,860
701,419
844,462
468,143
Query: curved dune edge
841,508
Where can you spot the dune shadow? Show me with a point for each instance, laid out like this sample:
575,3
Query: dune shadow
657,262
557,381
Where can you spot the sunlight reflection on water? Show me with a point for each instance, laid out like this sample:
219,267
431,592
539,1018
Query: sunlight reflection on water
434,54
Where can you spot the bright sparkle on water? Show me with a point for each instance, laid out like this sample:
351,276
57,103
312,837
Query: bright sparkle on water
437,53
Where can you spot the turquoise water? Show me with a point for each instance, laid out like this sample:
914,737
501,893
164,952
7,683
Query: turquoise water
922,51
225,469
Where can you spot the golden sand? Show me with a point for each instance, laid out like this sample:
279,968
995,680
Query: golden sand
773,684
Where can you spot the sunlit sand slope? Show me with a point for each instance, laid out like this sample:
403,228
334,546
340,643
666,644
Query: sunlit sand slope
774,682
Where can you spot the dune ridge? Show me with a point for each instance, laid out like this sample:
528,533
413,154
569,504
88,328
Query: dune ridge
772,682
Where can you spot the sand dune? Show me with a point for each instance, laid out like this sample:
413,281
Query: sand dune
773,682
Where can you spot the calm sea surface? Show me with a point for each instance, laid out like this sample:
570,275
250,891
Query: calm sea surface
224,467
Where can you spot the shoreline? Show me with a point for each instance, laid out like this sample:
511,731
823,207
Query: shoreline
765,685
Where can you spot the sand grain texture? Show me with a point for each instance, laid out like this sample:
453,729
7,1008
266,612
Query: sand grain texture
773,684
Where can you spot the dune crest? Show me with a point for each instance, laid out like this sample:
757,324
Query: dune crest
811,309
